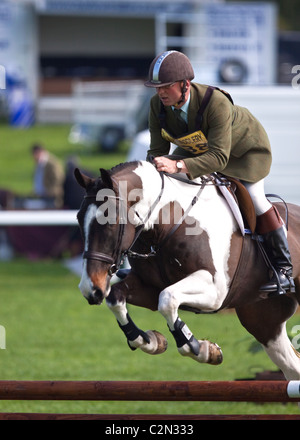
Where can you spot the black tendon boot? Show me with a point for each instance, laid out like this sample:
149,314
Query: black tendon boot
270,227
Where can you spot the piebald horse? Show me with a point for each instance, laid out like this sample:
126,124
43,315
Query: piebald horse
186,251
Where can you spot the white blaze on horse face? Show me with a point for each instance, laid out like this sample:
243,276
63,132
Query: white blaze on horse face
86,285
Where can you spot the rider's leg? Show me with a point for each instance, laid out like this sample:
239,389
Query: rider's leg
271,227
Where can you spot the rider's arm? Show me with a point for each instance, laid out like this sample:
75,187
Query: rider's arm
219,137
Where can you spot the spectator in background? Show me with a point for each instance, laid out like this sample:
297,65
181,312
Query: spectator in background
48,177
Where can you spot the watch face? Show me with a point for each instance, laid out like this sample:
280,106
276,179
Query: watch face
179,165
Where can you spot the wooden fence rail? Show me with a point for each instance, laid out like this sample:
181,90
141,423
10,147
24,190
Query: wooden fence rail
235,391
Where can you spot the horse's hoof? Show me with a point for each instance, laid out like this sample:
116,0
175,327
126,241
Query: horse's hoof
215,354
162,343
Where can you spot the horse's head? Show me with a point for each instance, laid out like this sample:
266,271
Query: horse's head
106,233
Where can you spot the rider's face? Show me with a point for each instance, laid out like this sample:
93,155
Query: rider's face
170,95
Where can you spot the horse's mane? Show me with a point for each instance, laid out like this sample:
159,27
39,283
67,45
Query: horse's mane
122,166
99,184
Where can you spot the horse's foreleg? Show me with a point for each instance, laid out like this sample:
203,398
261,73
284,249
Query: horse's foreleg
188,292
151,341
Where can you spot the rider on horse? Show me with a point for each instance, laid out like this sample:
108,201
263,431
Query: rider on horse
214,135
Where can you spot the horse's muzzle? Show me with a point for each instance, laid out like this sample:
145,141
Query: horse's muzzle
96,297
94,289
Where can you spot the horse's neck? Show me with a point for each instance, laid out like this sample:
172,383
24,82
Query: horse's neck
145,199
151,196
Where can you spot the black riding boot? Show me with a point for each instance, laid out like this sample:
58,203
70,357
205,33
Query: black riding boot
277,248
270,227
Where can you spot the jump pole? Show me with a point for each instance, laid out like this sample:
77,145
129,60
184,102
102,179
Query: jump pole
235,391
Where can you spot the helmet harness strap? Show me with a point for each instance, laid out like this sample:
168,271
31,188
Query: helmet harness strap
183,92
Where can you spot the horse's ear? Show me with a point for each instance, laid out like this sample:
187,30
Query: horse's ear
82,179
106,179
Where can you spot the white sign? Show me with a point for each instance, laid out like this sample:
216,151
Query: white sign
241,36
18,45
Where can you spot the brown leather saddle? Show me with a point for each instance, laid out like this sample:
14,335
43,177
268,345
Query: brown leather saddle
244,201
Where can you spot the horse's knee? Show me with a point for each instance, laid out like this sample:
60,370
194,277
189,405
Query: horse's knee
167,303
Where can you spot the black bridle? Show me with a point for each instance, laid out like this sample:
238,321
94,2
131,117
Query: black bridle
115,260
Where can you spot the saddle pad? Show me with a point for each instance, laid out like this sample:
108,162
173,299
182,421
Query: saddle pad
234,207
240,204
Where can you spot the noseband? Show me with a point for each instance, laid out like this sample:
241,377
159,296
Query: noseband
115,260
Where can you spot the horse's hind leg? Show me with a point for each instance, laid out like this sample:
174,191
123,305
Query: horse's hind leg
131,289
266,321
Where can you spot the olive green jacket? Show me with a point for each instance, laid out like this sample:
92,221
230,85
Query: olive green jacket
238,145
53,180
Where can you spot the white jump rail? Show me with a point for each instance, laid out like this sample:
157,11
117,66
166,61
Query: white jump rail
39,218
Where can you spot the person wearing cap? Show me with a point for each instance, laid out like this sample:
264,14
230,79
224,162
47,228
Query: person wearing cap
214,135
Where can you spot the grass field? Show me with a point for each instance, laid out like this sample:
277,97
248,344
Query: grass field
17,164
53,334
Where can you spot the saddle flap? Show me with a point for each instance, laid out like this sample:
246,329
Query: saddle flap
245,203
240,203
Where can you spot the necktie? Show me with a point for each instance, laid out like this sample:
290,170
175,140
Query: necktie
180,121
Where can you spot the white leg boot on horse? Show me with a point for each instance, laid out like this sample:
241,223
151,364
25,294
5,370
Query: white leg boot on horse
202,351
271,227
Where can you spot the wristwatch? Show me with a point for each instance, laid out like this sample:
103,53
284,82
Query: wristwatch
179,166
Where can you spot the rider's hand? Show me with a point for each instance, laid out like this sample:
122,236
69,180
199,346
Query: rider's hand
167,165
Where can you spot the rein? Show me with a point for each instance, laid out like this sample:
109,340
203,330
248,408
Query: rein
116,259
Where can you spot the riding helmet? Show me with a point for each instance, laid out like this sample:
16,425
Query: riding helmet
169,67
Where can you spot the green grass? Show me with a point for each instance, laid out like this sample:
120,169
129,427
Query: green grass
16,161
53,334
